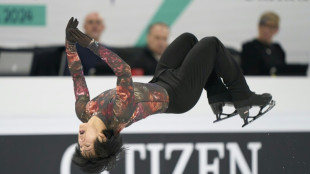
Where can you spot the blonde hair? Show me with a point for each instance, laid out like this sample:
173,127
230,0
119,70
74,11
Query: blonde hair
269,17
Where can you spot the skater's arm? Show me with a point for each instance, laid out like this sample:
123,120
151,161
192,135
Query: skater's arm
76,71
124,100
80,88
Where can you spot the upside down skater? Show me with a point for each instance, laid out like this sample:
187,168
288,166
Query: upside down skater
186,68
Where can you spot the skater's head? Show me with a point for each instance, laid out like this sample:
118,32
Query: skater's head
268,26
97,152
157,38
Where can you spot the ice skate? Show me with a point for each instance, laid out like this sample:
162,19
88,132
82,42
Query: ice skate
263,101
217,105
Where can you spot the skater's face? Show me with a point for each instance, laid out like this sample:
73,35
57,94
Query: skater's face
87,137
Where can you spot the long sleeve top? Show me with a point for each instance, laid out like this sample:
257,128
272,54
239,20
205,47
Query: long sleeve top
118,107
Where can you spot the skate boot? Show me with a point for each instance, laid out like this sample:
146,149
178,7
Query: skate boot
263,101
217,103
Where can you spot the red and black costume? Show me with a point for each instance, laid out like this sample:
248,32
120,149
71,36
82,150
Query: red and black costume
186,68
118,107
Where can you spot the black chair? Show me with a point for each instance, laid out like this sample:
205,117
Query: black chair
47,61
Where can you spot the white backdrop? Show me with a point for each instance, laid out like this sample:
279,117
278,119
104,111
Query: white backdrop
232,21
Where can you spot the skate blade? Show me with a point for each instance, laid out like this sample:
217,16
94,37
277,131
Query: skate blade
271,104
227,116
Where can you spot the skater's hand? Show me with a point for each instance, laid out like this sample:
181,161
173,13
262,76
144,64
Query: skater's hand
81,38
73,23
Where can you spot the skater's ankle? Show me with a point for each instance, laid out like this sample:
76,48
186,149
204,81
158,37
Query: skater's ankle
223,97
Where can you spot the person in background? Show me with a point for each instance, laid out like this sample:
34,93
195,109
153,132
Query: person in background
93,27
262,56
157,42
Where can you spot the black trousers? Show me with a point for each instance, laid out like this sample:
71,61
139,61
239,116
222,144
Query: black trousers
188,66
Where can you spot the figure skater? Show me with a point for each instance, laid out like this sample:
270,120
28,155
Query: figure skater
186,68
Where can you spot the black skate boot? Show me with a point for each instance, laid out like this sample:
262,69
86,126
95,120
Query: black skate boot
263,101
217,103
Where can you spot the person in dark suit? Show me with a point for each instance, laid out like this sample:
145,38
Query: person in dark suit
94,27
157,41
262,56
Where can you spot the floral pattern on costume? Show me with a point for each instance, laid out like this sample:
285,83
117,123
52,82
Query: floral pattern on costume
118,107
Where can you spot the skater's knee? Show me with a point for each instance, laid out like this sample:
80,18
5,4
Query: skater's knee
209,42
210,39
189,37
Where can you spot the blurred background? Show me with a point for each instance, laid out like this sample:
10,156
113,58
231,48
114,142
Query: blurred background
269,39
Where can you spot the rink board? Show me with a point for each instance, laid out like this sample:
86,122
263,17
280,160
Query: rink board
38,131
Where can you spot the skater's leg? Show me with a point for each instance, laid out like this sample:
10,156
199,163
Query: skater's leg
165,74
208,54
175,53
194,73
216,90
242,97
226,67
218,97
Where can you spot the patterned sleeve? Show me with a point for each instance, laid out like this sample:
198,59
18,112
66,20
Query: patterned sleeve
80,87
124,102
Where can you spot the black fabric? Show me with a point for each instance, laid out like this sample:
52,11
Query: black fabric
88,58
216,90
292,70
186,66
145,59
47,61
258,58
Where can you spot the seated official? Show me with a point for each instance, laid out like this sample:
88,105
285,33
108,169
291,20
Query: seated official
262,56
157,41
94,27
